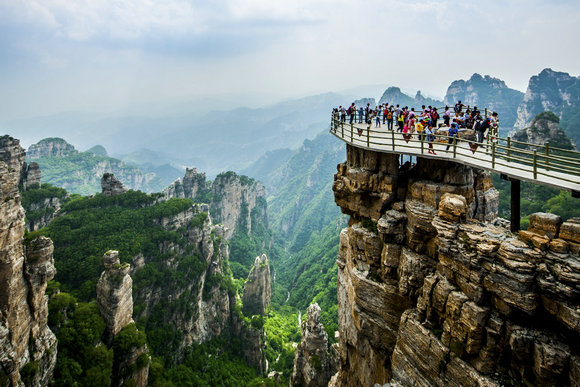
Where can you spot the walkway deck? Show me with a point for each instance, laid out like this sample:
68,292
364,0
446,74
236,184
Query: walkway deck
540,164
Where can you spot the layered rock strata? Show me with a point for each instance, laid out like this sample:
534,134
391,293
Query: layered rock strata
200,306
236,202
27,346
115,301
257,289
115,295
192,184
111,186
315,362
431,292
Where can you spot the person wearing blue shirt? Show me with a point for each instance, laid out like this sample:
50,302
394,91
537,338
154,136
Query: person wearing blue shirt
453,133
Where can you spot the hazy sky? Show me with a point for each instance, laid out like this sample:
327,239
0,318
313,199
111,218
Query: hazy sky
104,55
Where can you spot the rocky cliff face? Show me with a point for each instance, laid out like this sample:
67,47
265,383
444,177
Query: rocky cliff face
315,362
79,172
486,92
50,147
115,295
27,346
394,96
115,301
431,292
550,90
199,307
193,183
236,202
544,128
257,289
111,186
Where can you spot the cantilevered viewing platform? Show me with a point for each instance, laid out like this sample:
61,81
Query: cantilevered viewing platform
514,160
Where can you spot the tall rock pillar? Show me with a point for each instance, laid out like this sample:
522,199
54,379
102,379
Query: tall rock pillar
27,345
315,362
115,300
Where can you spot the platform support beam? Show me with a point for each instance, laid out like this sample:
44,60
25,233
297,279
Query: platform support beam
515,205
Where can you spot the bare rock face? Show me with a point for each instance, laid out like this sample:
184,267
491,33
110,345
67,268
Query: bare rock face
30,176
314,362
431,293
549,90
192,184
257,289
209,303
111,186
51,147
25,269
114,295
236,202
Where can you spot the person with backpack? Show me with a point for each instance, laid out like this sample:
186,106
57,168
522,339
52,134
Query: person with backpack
458,107
389,116
485,125
453,134
351,112
434,117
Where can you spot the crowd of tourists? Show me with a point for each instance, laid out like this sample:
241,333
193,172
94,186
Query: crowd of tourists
424,122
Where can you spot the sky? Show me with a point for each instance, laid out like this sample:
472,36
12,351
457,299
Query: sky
125,55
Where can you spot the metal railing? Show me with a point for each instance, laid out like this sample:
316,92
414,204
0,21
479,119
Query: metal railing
542,164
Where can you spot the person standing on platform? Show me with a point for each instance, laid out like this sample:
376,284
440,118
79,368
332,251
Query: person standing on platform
453,134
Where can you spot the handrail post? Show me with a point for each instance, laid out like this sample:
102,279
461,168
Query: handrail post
509,141
487,140
369,137
535,166
485,113
393,138
422,143
351,132
493,155
342,130
547,153
454,146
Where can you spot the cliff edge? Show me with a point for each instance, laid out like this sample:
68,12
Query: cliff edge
433,291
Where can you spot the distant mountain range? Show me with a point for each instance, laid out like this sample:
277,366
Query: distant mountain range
80,172
233,139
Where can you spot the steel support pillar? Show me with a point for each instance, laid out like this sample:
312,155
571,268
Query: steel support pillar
515,205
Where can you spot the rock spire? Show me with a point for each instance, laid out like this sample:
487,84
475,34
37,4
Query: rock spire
314,362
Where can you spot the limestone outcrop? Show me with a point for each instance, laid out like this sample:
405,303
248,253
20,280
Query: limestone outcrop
257,289
192,184
486,92
237,202
114,295
198,304
315,362
111,186
432,291
115,301
27,345
549,90
50,147
544,128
